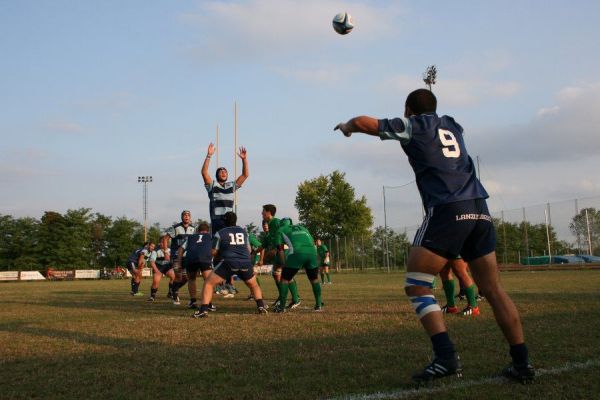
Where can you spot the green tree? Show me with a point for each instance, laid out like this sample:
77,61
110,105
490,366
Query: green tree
100,225
52,248
328,207
124,236
19,243
585,226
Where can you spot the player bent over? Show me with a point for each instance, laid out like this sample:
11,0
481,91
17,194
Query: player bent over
136,263
301,254
268,215
177,234
196,254
231,245
457,222
460,270
160,266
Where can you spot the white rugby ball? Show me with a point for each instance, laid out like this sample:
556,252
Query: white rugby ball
342,23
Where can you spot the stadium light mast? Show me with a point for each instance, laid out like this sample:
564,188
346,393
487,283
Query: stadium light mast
145,180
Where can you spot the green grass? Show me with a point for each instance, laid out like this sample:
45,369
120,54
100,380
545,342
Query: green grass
90,339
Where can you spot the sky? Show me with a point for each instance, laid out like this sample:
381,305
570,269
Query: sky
96,93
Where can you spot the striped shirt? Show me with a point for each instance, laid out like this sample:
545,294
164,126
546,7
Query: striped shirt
221,198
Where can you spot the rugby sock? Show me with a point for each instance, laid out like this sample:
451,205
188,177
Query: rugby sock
328,277
322,277
294,290
153,292
204,307
170,287
316,287
449,287
519,354
260,303
442,345
471,294
283,292
132,285
136,286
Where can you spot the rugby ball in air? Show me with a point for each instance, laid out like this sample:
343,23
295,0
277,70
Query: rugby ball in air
342,23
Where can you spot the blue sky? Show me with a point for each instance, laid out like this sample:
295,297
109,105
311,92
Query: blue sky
95,94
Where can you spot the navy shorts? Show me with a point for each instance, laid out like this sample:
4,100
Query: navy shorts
194,266
164,267
132,268
464,228
226,271
216,225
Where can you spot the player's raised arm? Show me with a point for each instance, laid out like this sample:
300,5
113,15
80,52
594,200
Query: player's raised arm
362,124
205,174
243,154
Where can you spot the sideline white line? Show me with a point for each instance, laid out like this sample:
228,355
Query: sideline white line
406,393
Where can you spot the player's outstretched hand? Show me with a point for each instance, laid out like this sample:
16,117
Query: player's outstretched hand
211,149
343,127
243,153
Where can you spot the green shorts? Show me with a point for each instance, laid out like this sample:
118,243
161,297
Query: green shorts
301,260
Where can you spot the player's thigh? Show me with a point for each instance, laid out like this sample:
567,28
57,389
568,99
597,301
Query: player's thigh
312,274
485,272
288,273
424,260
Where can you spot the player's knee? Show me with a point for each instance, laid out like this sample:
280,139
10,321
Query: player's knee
418,287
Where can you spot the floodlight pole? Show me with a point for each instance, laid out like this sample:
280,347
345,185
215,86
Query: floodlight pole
145,180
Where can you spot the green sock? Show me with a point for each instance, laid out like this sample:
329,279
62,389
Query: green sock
328,277
322,277
283,292
449,287
294,289
471,293
316,287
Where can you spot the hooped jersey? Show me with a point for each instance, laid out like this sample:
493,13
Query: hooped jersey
198,248
297,238
178,233
232,244
437,153
221,198
158,257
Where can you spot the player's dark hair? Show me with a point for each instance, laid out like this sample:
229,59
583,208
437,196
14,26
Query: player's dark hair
217,172
421,101
203,227
270,208
230,218
185,212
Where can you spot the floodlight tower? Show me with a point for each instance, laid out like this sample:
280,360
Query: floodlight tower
145,180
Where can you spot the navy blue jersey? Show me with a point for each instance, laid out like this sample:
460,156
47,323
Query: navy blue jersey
135,256
436,151
232,243
198,248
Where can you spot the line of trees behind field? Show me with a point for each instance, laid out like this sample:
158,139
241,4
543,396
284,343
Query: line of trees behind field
75,239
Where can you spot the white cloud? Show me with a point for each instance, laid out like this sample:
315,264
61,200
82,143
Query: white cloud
271,28
455,92
64,127
326,74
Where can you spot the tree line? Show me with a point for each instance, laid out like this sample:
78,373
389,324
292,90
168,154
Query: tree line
327,205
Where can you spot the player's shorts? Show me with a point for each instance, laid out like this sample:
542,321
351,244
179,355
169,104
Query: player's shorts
272,257
216,225
194,266
225,270
289,273
324,264
132,268
164,267
464,228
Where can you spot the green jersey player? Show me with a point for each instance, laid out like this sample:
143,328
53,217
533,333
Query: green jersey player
323,253
301,254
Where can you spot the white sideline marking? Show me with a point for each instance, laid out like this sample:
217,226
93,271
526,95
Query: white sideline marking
406,393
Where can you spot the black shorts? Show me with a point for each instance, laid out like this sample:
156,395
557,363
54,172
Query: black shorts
194,266
216,225
164,268
132,268
464,228
226,271
288,273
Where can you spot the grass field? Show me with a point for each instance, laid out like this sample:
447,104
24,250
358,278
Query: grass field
90,339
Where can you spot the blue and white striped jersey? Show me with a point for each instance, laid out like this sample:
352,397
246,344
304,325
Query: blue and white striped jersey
221,198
